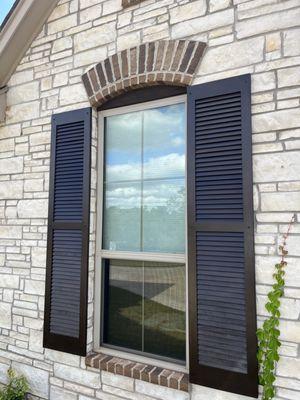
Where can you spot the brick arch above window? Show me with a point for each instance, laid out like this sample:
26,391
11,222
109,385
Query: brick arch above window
164,62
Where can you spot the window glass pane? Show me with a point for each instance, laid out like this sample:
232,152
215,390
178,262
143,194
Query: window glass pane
163,216
144,181
123,147
144,308
164,310
122,216
164,142
123,304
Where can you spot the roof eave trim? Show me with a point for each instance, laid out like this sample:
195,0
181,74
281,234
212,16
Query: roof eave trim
21,27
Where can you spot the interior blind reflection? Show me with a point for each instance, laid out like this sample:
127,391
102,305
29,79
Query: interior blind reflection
145,307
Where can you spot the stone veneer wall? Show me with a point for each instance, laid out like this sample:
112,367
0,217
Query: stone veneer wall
255,36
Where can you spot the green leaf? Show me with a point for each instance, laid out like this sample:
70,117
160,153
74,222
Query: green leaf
268,334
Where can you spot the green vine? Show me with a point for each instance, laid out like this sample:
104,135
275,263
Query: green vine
16,388
268,335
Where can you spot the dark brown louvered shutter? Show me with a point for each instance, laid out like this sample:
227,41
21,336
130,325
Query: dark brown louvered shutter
222,316
68,232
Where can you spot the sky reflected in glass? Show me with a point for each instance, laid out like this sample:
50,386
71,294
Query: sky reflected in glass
144,177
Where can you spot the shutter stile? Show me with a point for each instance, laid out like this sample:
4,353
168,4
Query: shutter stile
220,237
68,230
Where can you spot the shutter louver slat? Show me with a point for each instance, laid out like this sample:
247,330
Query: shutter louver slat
66,283
220,239
233,172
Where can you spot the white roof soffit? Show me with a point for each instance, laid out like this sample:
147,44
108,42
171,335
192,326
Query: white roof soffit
22,25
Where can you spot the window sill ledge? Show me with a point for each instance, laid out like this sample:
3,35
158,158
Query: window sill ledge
145,372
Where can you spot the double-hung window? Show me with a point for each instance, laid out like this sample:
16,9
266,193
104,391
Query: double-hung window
141,269
143,225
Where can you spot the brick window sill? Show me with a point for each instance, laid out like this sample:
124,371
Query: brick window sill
145,372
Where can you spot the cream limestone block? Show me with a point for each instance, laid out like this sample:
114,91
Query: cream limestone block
59,11
276,167
21,149
10,190
23,93
287,394
262,82
288,382
124,19
264,137
292,145
202,24
5,315
289,330
261,7
122,382
216,5
273,42
269,22
6,145
128,40
280,201
36,139
90,57
23,112
160,13
33,185
95,37
33,323
288,349
289,187
7,131
60,79
272,121
9,281
266,147
91,13
36,341
160,392
37,208
157,32
62,44
57,393
20,77
187,11
291,42
82,377
11,165
46,83
72,94
62,24
38,257
224,57
63,358
10,232
111,6
34,287
289,76
88,3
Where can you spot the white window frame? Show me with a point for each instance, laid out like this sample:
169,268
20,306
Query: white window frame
128,255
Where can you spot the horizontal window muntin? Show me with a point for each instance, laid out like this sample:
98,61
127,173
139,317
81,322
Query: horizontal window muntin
153,253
